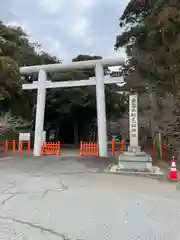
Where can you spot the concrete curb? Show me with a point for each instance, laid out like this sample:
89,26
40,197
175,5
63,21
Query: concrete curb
162,176
138,174
155,176
6,158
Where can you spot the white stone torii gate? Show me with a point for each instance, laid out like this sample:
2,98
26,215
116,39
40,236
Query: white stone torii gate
99,80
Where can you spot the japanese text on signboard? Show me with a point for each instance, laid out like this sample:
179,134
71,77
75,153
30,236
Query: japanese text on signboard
134,117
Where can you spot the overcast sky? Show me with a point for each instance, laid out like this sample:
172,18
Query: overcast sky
66,28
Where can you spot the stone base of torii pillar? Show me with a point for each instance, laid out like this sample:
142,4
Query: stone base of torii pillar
134,158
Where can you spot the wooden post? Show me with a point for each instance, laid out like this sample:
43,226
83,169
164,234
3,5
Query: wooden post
81,148
97,150
164,151
29,147
113,148
21,146
6,146
122,146
14,146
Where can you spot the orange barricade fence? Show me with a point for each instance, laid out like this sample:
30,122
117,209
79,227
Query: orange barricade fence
50,148
89,149
119,146
17,146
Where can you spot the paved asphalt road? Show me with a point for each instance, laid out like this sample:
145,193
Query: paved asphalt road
51,199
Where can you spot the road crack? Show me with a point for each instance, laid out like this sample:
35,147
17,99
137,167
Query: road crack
9,198
39,227
44,194
8,188
63,186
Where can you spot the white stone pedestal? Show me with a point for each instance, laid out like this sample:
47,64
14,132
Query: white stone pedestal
135,160
135,149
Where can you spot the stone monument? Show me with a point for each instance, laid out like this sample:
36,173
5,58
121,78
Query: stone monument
134,158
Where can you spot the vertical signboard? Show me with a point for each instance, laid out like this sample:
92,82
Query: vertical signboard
24,136
133,119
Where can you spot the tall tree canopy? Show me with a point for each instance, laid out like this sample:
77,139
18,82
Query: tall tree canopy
151,37
150,34
16,50
62,105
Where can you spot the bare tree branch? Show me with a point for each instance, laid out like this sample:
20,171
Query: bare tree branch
7,122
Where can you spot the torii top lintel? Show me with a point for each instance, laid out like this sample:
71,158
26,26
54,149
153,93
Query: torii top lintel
109,62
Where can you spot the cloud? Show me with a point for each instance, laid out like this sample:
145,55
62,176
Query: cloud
56,6
78,28
68,27
85,4
51,6
56,48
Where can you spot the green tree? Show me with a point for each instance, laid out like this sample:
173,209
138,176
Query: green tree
150,34
16,50
73,106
